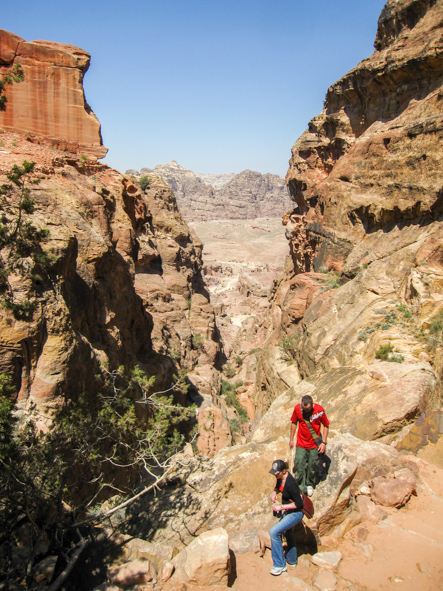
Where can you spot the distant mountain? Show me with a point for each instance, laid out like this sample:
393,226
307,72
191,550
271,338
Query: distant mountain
202,197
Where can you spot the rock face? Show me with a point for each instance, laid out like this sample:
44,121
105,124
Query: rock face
124,286
363,295
372,158
49,105
247,195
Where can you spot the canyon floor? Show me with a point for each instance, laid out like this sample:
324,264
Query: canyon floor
241,260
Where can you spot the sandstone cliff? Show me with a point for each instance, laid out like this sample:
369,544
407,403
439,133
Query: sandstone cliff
366,237
356,319
121,284
247,195
49,105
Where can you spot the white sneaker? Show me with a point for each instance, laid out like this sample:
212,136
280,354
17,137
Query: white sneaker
278,570
309,491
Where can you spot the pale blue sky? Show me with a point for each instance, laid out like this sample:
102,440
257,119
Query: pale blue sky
219,86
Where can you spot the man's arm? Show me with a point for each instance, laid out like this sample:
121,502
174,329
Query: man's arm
291,437
322,446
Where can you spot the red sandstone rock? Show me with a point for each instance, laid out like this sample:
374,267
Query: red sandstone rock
49,104
393,491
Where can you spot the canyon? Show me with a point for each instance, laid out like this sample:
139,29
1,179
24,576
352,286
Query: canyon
350,312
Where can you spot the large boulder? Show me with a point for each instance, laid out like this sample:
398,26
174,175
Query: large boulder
206,560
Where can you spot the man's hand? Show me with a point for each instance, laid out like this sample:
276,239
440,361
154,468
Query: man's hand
291,443
322,448
273,496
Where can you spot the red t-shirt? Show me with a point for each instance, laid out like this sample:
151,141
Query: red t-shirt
318,418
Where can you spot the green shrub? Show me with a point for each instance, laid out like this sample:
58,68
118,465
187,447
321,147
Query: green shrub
144,181
20,240
288,347
333,281
436,325
397,358
384,351
93,446
228,370
197,340
231,399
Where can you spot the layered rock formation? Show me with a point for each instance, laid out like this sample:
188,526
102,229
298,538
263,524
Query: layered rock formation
122,284
247,195
362,300
49,105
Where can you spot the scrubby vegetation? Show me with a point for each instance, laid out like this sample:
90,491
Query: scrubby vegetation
144,181
231,398
288,347
16,74
50,481
20,240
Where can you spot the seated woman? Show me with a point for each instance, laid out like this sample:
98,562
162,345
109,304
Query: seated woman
291,510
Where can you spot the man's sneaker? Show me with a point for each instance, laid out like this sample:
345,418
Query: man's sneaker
291,564
278,570
309,491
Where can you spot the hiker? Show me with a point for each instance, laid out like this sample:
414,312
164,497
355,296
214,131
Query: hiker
290,510
309,417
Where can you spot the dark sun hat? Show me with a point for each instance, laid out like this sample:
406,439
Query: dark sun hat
277,466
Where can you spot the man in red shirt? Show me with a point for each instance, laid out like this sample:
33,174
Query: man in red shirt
309,441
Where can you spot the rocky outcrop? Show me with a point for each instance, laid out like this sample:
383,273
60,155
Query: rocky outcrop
123,288
363,295
49,105
385,117
247,195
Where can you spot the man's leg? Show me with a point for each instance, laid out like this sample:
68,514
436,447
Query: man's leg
300,467
312,461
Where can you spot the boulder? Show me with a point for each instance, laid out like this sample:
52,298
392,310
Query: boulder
246,541
368,510
328,560
206,560
394,490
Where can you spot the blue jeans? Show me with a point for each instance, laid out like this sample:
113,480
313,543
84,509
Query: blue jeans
284,526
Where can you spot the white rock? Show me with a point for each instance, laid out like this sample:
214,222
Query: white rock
328,560
207,558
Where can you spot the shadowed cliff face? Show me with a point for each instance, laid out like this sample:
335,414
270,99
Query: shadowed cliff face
123,285
49,105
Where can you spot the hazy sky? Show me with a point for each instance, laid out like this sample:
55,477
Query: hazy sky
219,86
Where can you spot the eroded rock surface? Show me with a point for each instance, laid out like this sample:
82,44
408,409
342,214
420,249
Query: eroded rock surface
363,296
49,105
